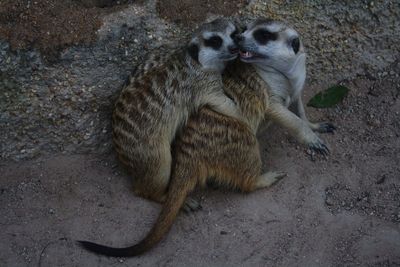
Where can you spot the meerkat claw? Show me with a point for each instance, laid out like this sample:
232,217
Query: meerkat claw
191,205
319,148
326,127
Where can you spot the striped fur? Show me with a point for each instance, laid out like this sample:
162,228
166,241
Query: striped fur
156,104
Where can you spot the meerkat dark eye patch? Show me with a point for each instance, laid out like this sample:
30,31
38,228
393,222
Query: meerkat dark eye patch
263,36
193,51
296,45
214,42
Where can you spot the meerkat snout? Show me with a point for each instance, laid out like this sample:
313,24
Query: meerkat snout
269,42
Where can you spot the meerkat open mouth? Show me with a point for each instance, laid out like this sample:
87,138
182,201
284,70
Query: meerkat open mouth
246,54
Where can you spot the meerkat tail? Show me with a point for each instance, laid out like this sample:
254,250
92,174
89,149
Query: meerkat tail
177,193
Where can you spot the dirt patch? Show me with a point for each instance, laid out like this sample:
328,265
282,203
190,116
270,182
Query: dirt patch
371,202
188,12
51,25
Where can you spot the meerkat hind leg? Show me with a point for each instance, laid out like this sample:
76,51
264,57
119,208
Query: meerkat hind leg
269,178
191,204
159,178
321,127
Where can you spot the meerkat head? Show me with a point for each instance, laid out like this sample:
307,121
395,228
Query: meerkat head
212,45
272,44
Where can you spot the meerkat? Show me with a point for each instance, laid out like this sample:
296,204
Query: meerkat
159,98
162,94
277,55
225,150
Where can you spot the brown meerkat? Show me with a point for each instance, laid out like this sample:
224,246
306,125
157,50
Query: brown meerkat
159,99
224,149
161,95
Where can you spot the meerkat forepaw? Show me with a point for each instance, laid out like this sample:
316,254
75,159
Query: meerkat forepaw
326,127
191,205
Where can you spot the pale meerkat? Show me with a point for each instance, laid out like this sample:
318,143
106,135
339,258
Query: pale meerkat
277,55
161,95
225,149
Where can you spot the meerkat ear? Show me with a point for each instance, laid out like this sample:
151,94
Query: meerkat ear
193,50
296,45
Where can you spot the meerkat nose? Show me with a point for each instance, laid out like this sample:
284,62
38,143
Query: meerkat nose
233,49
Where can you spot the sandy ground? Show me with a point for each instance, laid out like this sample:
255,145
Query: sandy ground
61,182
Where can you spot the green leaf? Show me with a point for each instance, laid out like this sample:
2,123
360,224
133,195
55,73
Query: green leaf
329,97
